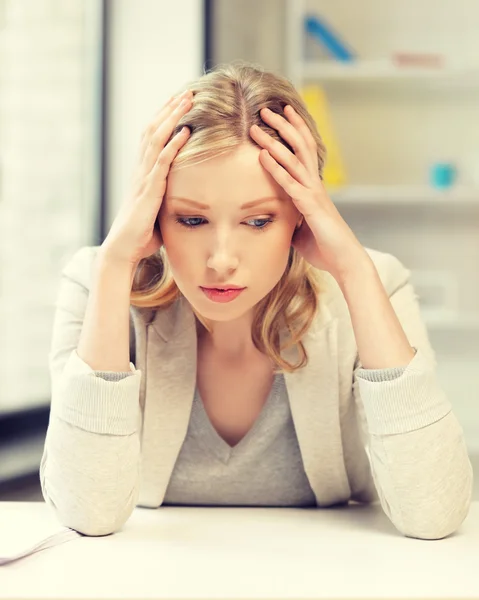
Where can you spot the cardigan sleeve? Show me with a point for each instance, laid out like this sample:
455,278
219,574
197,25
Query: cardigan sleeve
89,471
415,444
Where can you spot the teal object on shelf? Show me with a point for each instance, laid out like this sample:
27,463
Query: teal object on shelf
442,175
319,30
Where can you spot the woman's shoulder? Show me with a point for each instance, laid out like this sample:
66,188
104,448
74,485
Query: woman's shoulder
79,267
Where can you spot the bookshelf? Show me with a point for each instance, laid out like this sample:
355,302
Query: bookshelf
391,124
384,69
405,195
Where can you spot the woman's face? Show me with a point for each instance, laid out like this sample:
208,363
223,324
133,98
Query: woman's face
213,240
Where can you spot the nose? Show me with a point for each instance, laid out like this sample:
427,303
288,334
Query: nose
222,258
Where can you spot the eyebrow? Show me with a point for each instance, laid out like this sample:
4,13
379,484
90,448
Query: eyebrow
242,207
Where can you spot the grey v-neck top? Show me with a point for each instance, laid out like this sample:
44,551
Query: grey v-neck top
264,468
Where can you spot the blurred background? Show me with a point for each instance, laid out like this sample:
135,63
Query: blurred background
392,84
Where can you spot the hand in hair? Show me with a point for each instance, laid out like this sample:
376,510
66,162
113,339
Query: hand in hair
324,239
135,234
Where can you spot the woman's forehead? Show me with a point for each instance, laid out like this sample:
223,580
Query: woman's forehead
237,175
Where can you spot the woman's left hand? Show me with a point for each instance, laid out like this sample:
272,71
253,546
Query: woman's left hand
324,239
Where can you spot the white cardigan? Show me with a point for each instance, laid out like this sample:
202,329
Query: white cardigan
112,445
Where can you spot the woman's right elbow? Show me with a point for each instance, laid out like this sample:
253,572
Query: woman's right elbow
92,509
93,518
91,526
92,522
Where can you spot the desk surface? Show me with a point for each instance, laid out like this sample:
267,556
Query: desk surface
254,553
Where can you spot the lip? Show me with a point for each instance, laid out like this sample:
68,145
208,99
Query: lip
224,287
217,295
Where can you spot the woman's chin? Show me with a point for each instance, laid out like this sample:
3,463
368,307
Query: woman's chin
218,311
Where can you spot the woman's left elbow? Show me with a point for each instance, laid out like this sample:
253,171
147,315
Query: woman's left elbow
436,524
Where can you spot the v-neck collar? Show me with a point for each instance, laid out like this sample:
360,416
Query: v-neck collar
212,440
165,351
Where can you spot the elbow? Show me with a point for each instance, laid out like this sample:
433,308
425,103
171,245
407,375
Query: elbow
92,508
91,522
92,517
91,527
441,519
433,530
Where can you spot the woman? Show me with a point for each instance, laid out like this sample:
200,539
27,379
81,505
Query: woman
275,361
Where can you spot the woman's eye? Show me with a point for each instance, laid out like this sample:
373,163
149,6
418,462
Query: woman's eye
260,223
194,222
189,221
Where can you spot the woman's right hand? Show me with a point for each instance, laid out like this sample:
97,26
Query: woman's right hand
134,233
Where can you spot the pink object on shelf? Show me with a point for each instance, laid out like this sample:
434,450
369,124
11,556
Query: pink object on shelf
413,59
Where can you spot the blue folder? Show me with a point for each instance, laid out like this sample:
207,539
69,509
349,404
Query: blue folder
318,29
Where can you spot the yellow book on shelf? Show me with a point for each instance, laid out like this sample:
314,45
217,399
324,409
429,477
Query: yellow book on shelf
317,105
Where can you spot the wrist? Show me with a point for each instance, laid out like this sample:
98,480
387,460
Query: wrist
108,259
109,266
356,272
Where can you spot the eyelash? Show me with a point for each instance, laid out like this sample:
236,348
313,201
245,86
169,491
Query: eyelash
182,221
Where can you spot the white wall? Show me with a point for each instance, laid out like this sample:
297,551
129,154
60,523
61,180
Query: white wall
156,47
48,176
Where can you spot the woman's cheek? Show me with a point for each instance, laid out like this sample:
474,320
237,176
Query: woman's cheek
180,250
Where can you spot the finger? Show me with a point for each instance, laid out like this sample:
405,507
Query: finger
171,103
294,138
157,178
170,151
158,118
163,133
300,124
153,124
290,185
282,155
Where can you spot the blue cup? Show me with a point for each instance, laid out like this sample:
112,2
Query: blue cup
442,175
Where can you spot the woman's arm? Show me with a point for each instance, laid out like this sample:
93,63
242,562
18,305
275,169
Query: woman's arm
89,468
104,339
416,445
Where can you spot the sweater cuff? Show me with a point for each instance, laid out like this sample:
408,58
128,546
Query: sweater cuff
83,398
379,375
408,402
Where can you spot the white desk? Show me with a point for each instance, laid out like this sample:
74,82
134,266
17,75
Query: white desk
190,553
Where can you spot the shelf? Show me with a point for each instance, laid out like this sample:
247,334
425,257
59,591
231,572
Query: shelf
381,69
405,195
468,323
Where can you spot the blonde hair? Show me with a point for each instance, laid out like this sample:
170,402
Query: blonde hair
227,101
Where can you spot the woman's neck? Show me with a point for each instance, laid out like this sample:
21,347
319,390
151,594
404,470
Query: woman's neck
230,340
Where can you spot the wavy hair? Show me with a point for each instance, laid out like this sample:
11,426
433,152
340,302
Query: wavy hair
226,101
